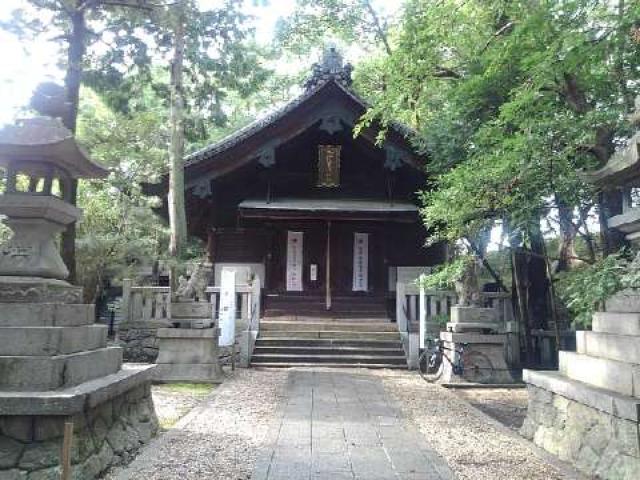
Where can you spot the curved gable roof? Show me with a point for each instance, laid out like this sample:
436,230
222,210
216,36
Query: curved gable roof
283,123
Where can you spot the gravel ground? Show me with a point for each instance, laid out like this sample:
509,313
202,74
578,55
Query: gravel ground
506,405
172,402
220,438
474,447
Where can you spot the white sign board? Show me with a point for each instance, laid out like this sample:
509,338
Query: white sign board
294,261
227,313
314,273
360,262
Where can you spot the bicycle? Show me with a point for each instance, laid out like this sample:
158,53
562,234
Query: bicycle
472,366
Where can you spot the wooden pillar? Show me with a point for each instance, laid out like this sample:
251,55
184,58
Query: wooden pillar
211,245
328,267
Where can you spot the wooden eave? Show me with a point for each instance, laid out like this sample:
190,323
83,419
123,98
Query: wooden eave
279,127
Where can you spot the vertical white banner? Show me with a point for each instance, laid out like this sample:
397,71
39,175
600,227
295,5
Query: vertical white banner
360,262
227,313
294,261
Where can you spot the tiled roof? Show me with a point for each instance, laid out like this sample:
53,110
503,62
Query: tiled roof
274,115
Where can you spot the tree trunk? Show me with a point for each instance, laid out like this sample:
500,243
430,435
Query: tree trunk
177,215
567,241
609,205
538,282
75,56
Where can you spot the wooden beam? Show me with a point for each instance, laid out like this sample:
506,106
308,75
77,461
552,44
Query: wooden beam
328,268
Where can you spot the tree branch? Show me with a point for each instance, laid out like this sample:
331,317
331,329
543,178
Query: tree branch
501,31
376,23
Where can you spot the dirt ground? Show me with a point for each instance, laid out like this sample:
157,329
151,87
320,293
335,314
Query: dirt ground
506,405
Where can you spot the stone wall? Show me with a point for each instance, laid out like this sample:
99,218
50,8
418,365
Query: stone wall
597,442
140,343
108,435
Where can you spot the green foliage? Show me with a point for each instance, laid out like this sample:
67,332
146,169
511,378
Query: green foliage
119,232
503,96
350,21
585,290
445,276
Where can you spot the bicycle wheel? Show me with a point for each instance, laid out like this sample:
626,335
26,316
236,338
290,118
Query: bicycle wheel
477,368
430,365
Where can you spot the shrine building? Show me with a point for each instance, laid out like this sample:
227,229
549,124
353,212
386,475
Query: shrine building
324,219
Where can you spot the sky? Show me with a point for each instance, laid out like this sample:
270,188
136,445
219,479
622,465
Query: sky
26,65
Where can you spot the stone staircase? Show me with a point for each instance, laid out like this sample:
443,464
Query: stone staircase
305,307
593,400
313,342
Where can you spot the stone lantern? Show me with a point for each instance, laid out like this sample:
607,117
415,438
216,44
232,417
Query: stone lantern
40,158
56,366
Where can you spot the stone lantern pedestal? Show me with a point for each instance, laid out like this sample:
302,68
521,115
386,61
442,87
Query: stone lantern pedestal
476,329
55,364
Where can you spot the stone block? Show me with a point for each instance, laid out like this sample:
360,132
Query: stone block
40,455
615,404
188,346
30,290
191,310
49,373
10,451
42,341
13,474
595,441
612,375
472,327
472,315
473,338
627,301
85,366
622,348
46,314
197,373
617,323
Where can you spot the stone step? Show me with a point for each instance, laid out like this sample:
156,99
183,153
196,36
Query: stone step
332,350
323,313
46,314
621,406
620,377
326,326
623,348
51,373
617,323
329,365
326,318
334,359
317,342
627,301
39,341
331,335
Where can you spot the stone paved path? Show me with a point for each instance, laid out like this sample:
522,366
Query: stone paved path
337,426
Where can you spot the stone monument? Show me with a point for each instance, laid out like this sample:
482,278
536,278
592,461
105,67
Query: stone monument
55,365
189,351
588,412
478,328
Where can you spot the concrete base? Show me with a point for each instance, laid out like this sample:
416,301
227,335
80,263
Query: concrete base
594,429
188,355
481,353
189,372
113,417
14,289
473,319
